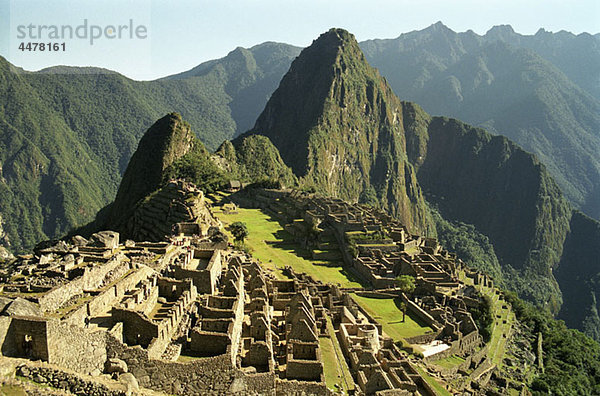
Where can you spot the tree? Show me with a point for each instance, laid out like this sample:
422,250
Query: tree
406,283
403,309
239,231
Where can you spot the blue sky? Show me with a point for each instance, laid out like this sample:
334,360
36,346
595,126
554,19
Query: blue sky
183,33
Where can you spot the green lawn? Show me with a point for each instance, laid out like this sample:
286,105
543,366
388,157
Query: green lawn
497,343
331,366
386,312
276,248
337,373
449,362
434,383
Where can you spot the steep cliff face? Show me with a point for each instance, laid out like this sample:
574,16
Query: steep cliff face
578,275
338,125
492,183
168,140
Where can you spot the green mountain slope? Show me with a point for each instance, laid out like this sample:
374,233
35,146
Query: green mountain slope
513,85
248,76
337,124
254,158
506,193
80,126
578,56
50,182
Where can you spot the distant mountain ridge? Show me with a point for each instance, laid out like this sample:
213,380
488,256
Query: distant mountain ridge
522,87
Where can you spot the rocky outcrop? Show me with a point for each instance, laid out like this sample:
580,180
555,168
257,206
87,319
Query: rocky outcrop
21,307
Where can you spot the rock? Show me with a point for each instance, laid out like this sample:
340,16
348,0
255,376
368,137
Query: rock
44,245
130,382
162,300
115,365
5,254
22,307
39,379
105,239
176,388
78,240
129,243
4,302
95,373
7,368
23,371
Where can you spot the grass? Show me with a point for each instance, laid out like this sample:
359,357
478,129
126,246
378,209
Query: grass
187,358
435,384
497,343
336,370
12,390
387,312
276,248
449,362
333,377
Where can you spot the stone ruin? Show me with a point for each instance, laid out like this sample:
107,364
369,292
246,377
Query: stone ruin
188,315
378,248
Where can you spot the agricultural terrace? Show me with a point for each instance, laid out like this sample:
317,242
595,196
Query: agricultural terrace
276,248
387,312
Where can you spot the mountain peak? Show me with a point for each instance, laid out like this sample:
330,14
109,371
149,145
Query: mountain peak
439,28
167,140
339,34
334,41
305,89
501,29
337,125
501,32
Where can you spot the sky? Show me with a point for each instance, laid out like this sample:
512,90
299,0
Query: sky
163,37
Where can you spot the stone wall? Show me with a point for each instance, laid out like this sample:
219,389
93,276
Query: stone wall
202,376
298,388
200,278
261,383
137,330
7,346
205,279
91,279
68,382
209,343
77,348
104,301
421,313
423,338
26,337
304,369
